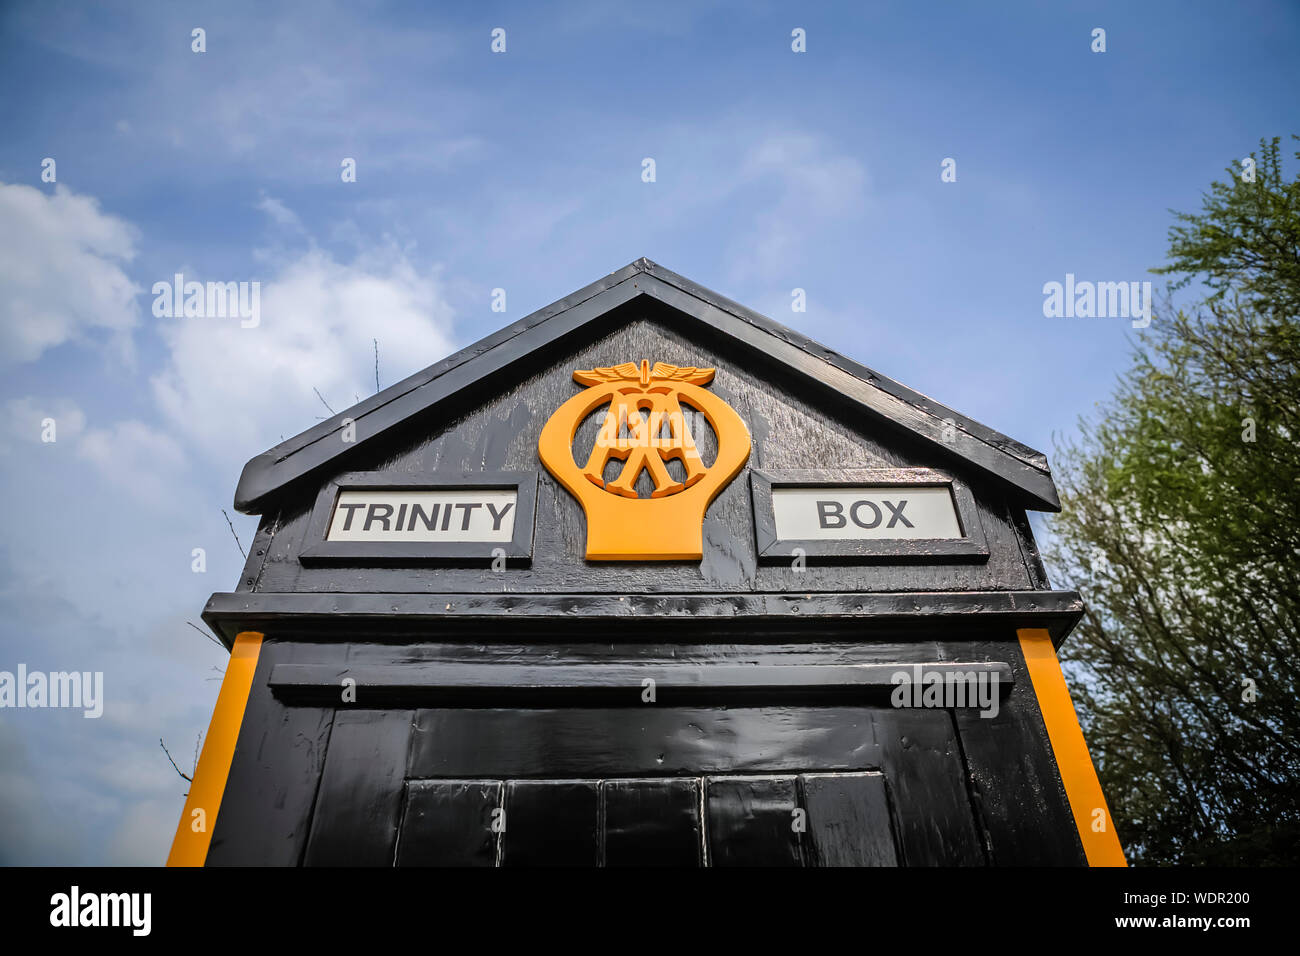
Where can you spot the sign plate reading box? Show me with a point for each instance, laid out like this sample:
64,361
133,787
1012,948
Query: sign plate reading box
871,513
895,515
397,518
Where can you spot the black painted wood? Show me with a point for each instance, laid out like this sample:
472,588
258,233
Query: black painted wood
677,741
551,823
499,431
356,818
783,820
449,823
652,822
1006,806
589,685
1015,786
849,822
265,813
751,821
921,759
638,616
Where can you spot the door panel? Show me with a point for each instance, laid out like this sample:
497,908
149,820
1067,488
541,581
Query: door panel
848,818
751,821
786,820
449,823
683,786
360,799
636,741
652,822
551,823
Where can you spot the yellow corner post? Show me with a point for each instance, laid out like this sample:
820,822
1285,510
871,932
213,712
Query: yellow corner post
1082,788
194,832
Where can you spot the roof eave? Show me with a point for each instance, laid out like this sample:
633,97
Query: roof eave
269,474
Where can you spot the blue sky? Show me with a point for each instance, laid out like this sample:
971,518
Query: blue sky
520,170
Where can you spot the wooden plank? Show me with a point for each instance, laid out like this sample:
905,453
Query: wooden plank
1017,791
655,741
501,684
849,822
922,761
652,822
449,823
323,614
551,823
355,823
266,810
750,821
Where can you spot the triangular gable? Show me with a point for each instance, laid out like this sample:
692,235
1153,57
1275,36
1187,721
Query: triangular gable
880,398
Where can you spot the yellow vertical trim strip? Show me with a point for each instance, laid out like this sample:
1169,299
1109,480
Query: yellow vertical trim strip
1082,788
190,848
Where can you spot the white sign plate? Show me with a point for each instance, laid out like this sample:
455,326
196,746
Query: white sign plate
866,513
444,516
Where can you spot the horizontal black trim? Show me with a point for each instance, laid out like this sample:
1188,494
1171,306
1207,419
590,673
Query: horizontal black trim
971,547
493,685
337,614
885,400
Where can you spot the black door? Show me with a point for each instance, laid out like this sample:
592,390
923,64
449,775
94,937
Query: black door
653,785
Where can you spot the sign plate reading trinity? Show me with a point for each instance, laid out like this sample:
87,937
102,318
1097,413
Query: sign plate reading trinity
864,513
450,515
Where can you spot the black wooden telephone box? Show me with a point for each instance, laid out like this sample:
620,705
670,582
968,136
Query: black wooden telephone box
645,579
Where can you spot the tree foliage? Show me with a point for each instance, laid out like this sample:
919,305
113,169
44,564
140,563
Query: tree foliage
1181,529
1246,239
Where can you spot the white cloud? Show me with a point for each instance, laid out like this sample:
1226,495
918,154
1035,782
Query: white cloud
806,184
136,457
234,391
60,272
24,420
816,177
280,214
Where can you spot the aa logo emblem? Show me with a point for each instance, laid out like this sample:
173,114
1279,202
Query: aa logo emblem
644,428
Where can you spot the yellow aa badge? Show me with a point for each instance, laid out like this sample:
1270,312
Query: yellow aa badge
644,428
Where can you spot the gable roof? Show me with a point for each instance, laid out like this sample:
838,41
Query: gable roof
880,398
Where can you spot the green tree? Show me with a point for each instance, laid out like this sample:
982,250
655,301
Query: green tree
1246,238
1180,526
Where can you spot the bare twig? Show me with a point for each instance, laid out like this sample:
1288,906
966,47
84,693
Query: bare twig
206,634
376,341
232,531
322,400
184,776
